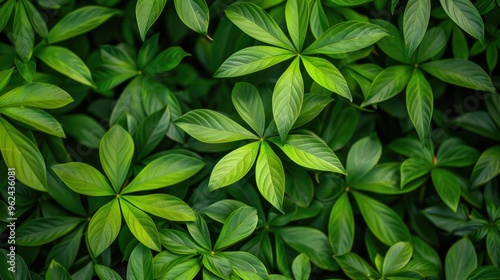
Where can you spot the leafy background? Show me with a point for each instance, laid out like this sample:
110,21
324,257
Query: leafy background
265,139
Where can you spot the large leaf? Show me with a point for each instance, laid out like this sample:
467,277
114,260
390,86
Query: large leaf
163,205
310,152
248,103
297,20
104,227
212,127
220,210
327,75
487,167
78,22
178,242
448,187
20,153
347,37
39,231
341,226
240,224
461,73
420,103
362,157
194,14
141,226
22,35
270,176
388,84
465,15
115,151
386,225
233,166
44,96
415,21
147,12
288,95
83,178
36,19
460,260
255,22
35,118
140,264
397,257
66,62
165,171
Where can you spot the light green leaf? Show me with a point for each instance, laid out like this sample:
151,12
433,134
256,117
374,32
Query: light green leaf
356,267
341,226
301,268
310,152
327,75
26,69
106,273
362,158
212,127
318,19
163,205
386,225
83,178
141,226
147,12
35,118
248,103
270,176
194,14
415,20
459,72
19,152
5,77
487,167
66,62
165,171
44,96
420,103
388,84
239,225
346,37
104,227
297,20
178,242
256,23
460,260
447,186
397,257
78,22
246,262
465,15
252,59
22,34
56,271
85,129
199,231
288,95
220,210
36,19
140,264
39,231
233,166
185,270
218,265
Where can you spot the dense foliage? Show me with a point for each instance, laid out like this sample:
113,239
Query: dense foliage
260,139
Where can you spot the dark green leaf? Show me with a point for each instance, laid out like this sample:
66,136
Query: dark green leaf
341,226
246,262
41,231
5,77
434,42
5,12
221,209
318,20
151,131
447,186
140,264
36,19
26,69
194,14
312,106
397,257
106,273
461,259
178,242
493,246
23,35
420,103
362,158
388,84
199,231
415,21
414,168
453,153
465,15
301,267
487,167
44,96
478,122
356,267
167,60
147,12
85,129
218,265
57,272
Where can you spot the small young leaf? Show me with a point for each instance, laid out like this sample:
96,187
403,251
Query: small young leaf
141,225
270,176
465,15
163,205
341,226
140,263
415,21
194,14
420,103
147,12
104,227
83,178
397,257
487,167
240,224
248,103
460,260
327,75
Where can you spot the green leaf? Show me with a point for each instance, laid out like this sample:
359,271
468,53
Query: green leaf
26,69
245,262
491,57
39,231
415,20
270,176
297,19
312,242
66,62
432,44
57,272
453,153
104,227
6,12
414,168
327,75
218,265
362,158
164,171
146,13
478,122
163,205
420,103
484,272
178,242
199,231
460,260
318,19
288,95
393,45
194,14
106,273
36,19
239,225
248,103
301,268
141,226
212,127
78,22
220,210
460,48
23,35
35,118
185,270
312,106
346,37
459,72
19,152
252,59
167,60
5,77
140,264
387,226
152,131
465,15
341,226
44,96
83,178
487,167
85,129
115,151
233,166
397,257
311,152
258,24
447,186
388,84
356,267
